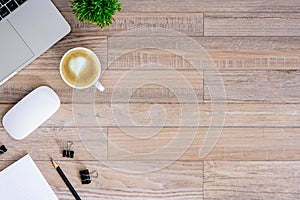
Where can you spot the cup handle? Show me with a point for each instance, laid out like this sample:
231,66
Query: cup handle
99,86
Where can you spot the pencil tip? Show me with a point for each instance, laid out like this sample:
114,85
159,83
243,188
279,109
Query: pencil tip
55,165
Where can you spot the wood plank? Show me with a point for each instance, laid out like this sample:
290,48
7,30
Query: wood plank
237,115
154,144
253,52
252,24
251,180
89,144
240,86
51,58
50,142
226,52
201,6
257,144
189,23
182,180
233,144
257,86
139,86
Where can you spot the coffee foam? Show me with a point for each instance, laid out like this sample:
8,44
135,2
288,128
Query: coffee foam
80,68
77,65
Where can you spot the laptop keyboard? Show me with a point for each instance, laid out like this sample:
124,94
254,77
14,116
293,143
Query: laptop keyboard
8,6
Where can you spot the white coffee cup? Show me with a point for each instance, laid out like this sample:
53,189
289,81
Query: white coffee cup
94,80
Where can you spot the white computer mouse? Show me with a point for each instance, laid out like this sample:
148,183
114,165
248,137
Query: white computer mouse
31,112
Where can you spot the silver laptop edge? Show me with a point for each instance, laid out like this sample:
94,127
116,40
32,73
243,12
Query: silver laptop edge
27,33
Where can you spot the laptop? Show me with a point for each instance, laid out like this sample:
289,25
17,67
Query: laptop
28,28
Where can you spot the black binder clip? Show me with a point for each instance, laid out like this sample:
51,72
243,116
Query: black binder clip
2,149
85,176
68,153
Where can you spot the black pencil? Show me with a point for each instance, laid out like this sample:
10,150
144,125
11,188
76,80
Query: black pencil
64,178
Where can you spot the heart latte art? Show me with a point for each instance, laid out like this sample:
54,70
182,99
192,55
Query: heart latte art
80,67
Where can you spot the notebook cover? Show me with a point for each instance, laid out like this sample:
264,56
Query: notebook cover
23,180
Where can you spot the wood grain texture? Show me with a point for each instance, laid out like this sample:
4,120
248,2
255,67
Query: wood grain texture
227,52
251,24
189,23
229,58
201,6
182,180
275,86
50,142
155,86
237,115
233,144
256,48
50,60
213,6
264,144
251,180
256,86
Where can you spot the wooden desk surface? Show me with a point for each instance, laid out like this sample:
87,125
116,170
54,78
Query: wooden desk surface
256,47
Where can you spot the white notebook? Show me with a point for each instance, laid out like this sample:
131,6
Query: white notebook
24,181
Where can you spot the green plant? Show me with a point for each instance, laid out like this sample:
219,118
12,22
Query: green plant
98,12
